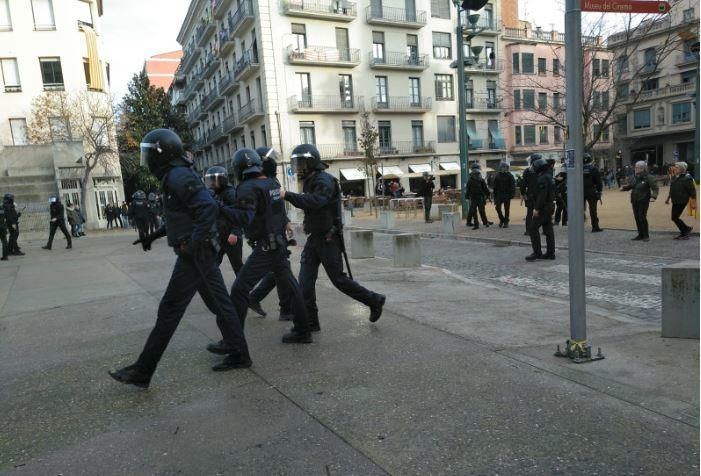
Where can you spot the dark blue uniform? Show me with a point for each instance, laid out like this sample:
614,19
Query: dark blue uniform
57,221
504,190
543,204
320,202
593,185
191,215
3,234
139,214
227,197
528,187
260,210
12,222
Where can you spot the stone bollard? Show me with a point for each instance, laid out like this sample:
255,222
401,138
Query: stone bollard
445,208
407,250
387,219
362,244
680,300
449,223
347,217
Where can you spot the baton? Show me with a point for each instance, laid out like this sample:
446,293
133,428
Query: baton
343,252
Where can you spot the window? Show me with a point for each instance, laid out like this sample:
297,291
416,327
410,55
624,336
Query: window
543,133
60,129
641,119
518,138
557,134
446,129
556,67
604,100
86,70
650,57
528,99
469,95
253,139
517,99
596,100
381,90
527,63
529,135
415,91
556,101
51,73
688,14
440,9
515,63
491,94
542,101
305,89
488,15
681,112
541,65
263,136
596,67
43,11
299,37
384,129
10,75
243,141
378,46
623,65
350,138
345,89
84,13
5,18
417,134
605,135
649,84
306,132
444,87
688,77
18,127
605,68
490,56
623,90
412,48
100,131
622,124
441,45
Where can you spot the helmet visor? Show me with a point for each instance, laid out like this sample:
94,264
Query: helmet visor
147,149
215,180
300,163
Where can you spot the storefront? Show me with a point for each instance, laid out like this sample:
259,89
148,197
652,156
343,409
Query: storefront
353,182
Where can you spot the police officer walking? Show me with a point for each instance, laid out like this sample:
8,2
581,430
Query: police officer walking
561,198
56,211
477,192
426,191
230,239
12,217
529,181
593,186
154,212
504,191
191,215
543,204
139,213
3,235
260,211
321,202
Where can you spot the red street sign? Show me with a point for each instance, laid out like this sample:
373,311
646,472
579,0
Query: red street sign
625,6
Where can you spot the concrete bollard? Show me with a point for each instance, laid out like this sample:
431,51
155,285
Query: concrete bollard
445,208
407,250
347,217
387,219
449,223
680,300
362,244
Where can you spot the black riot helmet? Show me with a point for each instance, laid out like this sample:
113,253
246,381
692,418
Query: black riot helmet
539,165
151,197
139,195
504,167
270,160
245,162
306,159
8,198
160,149
587,159
533,157
216,178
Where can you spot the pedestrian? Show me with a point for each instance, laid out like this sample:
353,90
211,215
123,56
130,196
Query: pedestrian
56,212
81,223
527,188
12,217
477,192
504,191
682,192
3,235
593,188
561,198
259,210
426,188
117,213
643,191
230,236
619,177
543,205
139,213
72,221
124,209
321,202
191,231
109,215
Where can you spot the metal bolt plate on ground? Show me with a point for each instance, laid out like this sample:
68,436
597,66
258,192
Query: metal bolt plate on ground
579,353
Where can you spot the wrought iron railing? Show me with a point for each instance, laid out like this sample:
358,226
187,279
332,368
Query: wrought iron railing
401,103
324,54
324,103
336,7
377,11
398,59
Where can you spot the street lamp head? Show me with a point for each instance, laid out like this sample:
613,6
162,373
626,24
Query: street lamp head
476,50
473,19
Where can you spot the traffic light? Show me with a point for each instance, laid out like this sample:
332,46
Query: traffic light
473,4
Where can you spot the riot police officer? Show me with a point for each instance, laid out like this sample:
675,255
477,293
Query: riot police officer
154,212
139,213
528,187
3,235
191,215
593,185
230,239
543,204
504,190
260,210
321,202
12,217
58,220
477,192
561,198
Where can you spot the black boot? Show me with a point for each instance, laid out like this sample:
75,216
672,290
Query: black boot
295,337
285,316
133,375
534,256
69,246
47,247
376,308
221,348
238,360
254,306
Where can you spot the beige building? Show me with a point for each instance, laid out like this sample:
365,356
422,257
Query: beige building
283,73
46,46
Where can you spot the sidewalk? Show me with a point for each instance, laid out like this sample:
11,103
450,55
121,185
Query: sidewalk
456,378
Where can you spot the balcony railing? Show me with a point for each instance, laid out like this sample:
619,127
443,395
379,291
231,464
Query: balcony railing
209,99
247,63
324,56
226,42
220,7
214,134
243,16
484,22
685,58
204,31
230,124
405,148
485,66
54,87
398,60
250,111
193,117
189,58
328,104
401,104
484,104
211,64
675,90
228,83
13,89
523,34
643,29
337,10
379,14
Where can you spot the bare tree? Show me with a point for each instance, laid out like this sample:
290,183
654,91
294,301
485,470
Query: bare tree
86,116
367,141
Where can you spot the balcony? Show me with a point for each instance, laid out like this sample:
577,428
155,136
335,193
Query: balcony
193,117
326,104
228,84
231,124
226,42
485,66
54,87
398,104
251,111
376,14
247,65
324,56
645,28
486,24
190,89
215,134
201,112
685,59
399,60
322,9
212,100
220,8
405,148
205,31
484,105
178,98
676,90
211,64
198,144
189,59
243,17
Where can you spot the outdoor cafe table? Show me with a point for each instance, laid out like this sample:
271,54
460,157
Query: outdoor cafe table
406,203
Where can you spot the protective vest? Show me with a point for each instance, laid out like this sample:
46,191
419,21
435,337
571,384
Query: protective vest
3,222
321,220
261,195
180,186
139,210
10,213
226,197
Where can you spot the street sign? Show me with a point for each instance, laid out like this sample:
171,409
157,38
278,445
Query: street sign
290,171
569,158
625,6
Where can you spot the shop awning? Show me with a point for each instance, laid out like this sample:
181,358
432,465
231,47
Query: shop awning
474,138
450,166
446,172
353,174
497,137
389,171
420,168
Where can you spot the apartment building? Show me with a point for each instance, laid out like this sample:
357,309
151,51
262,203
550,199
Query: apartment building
160,68
284,73
655,122
45,46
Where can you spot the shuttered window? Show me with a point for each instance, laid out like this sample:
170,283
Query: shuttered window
440,9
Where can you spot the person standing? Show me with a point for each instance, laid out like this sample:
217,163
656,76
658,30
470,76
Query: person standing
3,235
426,191
682,192
593,186
109,215
643,190
561,198
56,211
12,217
72,220
477,193
125,215
191,215
230,237
81,222
321,202
139,213
543,204
504,191
529,180
154,212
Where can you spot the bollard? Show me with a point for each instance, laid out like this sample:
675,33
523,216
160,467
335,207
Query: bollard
362,244
680,300
449,223
387,219
347,217
445,208
407,250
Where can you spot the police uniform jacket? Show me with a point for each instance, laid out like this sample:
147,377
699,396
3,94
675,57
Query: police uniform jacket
11,214
544,193
476,189
138,211
504,186
528,184
3,220
593,185
227,198
56,211
319,201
